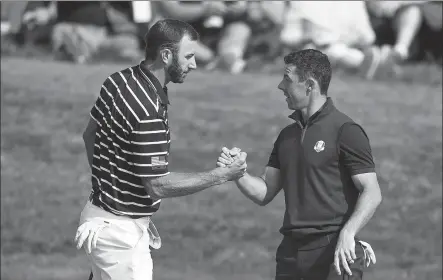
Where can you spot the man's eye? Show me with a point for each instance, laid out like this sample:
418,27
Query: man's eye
189,56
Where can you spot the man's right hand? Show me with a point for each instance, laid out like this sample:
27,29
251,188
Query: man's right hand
233,168
227,156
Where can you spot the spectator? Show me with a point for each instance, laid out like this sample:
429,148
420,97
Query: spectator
396,23
22,20
196,13
407,27
341,30
250,23
142,17
12,14
84,29
431,39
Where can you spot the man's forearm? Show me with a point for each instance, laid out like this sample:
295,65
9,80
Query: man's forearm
181,184
254,188
365,207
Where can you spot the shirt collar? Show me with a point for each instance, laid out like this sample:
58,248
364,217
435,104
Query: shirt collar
325,110
162,92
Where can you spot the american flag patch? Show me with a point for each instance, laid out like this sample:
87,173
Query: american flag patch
158,162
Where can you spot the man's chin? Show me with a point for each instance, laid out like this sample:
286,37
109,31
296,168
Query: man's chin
292,106
178,81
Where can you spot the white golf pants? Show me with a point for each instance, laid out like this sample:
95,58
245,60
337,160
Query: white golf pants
122,251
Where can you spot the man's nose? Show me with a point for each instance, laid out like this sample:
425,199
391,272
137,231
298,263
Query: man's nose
193,64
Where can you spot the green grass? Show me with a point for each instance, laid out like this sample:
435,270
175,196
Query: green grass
215,234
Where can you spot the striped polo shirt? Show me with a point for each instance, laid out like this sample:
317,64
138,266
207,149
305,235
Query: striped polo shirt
132,141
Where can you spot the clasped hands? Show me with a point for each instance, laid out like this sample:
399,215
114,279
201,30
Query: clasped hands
233,162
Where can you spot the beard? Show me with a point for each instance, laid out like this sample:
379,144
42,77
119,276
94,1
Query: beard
175,71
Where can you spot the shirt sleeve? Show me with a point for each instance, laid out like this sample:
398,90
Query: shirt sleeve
355,150
273,158
149,147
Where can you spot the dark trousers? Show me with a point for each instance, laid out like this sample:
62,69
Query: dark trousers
314,260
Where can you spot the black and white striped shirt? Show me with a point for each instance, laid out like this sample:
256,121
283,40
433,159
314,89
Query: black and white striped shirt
131,143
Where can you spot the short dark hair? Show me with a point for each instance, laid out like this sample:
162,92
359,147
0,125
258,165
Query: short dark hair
311,63
167,33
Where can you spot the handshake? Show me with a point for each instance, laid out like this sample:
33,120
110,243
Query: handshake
232,163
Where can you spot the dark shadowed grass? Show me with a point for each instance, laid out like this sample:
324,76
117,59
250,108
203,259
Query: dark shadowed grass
216,234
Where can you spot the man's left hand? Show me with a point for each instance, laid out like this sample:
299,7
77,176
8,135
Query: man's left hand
344,252
228,156
369,253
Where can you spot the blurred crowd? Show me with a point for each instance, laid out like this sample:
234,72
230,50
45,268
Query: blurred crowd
362,36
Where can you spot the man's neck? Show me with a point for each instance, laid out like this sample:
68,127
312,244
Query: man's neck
312,108
158,70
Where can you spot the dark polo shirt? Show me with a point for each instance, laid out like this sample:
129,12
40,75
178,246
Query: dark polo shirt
316,160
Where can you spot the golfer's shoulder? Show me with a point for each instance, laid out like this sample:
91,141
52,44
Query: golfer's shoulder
341,121
131,95
341,117
119,77
116,83
352,133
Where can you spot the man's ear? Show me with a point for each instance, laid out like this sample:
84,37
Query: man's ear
310,84
165,55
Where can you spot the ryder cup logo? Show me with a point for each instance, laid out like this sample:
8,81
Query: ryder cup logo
319,146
